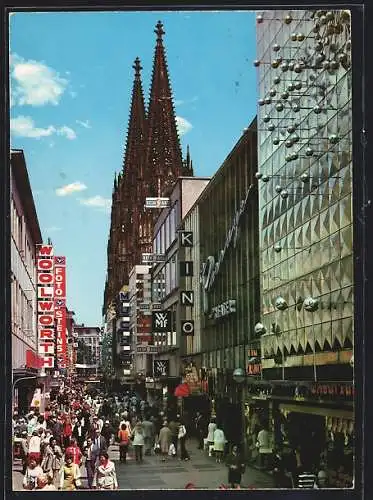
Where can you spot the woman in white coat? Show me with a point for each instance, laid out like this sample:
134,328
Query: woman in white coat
210,435
219,444
138,441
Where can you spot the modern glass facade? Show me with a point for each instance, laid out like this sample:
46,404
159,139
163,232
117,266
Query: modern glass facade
305,189
228,241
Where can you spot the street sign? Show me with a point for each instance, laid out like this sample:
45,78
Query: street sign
152,258
147,349
145,306
157,202
156,306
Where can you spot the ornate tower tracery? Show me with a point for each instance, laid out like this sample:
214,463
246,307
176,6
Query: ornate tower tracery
152,163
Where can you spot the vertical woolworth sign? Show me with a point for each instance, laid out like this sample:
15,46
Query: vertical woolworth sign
60,309
45,298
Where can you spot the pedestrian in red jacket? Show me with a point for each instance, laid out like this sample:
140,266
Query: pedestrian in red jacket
67,432
75,452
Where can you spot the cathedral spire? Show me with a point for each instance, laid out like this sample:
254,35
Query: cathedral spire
136,129
187,164
163,159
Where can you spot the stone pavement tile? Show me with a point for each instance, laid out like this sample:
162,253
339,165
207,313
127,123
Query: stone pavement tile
201,470
17,479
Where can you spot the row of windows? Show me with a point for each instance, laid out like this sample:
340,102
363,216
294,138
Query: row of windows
167,232
23,312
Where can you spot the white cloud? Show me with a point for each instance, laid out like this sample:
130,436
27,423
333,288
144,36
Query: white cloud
35,84
97,202
68,132
73,94
183,125
24,126
70,188
84,124
179,102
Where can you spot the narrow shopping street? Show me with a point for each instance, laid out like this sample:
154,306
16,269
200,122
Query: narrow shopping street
184,288
153,474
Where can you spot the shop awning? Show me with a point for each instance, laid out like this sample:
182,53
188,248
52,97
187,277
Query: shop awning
318,410
182,391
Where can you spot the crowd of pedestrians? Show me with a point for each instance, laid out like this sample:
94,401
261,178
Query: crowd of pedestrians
76,430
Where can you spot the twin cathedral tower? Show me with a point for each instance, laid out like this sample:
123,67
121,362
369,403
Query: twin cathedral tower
152,163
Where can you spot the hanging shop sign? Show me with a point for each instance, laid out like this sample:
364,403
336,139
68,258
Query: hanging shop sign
187,298
224,309
254,368
124,296
60,310
344,391
186,269
149,306
161,368
157,202
153,258
186,238
187,327
33,360
254,365
45,299
210,269
161,321
147,349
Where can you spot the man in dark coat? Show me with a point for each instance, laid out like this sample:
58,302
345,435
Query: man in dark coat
79,434
99,446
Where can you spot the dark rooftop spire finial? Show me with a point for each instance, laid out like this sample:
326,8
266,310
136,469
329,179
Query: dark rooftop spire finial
159,31
137,66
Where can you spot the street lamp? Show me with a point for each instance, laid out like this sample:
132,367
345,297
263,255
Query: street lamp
311,304
30,377
239,377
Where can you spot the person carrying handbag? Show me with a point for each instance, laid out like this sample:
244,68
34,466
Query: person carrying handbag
236,467
184,455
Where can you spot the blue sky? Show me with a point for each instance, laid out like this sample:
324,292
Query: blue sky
71,81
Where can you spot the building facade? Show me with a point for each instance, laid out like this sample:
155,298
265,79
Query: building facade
167,280
88,351
140,320
229,278
152,162
306,233
25,235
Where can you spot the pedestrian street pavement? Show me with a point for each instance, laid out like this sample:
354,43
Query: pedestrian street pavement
153,474
201,470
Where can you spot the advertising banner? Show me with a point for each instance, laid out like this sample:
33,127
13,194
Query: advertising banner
45,299
60,310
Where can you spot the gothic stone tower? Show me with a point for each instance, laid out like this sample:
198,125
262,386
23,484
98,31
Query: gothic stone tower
152,163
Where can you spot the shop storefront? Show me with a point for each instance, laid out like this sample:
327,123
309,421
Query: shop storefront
311,420
321,426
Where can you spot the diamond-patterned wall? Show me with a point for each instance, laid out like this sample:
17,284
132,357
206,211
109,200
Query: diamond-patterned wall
313,223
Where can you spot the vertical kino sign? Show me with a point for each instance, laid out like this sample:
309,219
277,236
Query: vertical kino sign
60,310
45,282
